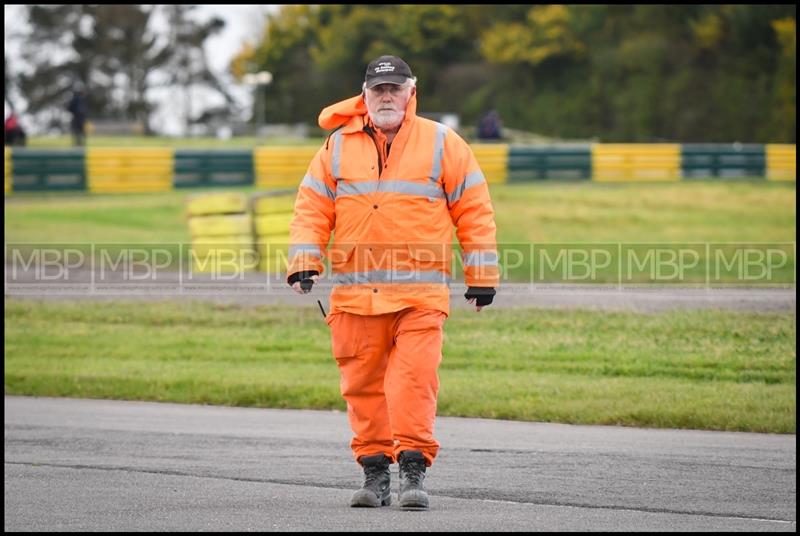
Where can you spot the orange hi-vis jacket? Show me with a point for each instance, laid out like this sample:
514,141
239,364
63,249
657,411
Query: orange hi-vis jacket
392,212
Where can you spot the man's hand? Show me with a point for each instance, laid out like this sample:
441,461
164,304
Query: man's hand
302,282
480,296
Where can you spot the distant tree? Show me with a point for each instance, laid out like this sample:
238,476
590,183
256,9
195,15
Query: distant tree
784,109
107,49
9,84
285,51
113,51
684,73
188,65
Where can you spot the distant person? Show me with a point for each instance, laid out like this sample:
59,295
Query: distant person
490,127
15,134
79,109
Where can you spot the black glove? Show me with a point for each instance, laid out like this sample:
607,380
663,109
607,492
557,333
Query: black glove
483,295
305,279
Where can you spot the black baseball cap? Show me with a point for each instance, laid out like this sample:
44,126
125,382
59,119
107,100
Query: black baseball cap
387,70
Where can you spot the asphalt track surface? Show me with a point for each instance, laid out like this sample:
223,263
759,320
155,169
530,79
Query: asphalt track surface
99,465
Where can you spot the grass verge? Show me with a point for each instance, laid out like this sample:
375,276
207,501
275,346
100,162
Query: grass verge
687,369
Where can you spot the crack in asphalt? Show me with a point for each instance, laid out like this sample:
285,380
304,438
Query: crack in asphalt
446,495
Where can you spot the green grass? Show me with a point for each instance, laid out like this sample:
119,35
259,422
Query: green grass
685,211
547,215
96,218
688,369
525,213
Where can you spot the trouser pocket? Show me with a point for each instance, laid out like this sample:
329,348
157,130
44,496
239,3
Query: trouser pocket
348,334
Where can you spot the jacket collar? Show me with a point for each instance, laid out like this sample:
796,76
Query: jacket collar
352,114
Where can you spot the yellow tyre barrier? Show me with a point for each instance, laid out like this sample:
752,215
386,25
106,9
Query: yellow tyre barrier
636,162
781,162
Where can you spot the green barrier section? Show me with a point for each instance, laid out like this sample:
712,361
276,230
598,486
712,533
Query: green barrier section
537,163
38,170
700,161
195,168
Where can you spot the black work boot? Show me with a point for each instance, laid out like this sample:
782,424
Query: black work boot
376,490
412,473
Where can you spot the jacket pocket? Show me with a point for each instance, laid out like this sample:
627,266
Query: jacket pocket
430,256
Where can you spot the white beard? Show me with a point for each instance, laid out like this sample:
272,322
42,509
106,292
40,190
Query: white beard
386,120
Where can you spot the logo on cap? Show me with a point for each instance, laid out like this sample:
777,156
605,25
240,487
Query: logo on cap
384,67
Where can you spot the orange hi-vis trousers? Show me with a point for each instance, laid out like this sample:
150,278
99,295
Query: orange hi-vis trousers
388,365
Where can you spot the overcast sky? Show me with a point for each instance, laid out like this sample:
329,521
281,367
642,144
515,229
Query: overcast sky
243,23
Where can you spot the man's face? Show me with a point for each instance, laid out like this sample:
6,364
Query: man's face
386,104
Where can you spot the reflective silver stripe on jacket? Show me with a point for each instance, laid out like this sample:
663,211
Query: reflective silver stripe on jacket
391,276
336,161
312,249
318,186
438,152
472,179
391,186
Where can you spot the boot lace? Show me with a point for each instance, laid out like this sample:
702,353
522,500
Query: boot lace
412,471
373,474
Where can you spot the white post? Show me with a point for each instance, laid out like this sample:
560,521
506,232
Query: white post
260,80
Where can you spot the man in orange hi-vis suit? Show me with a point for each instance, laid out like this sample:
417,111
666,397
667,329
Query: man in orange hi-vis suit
391,185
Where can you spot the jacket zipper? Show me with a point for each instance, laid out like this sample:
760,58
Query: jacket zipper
369,131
